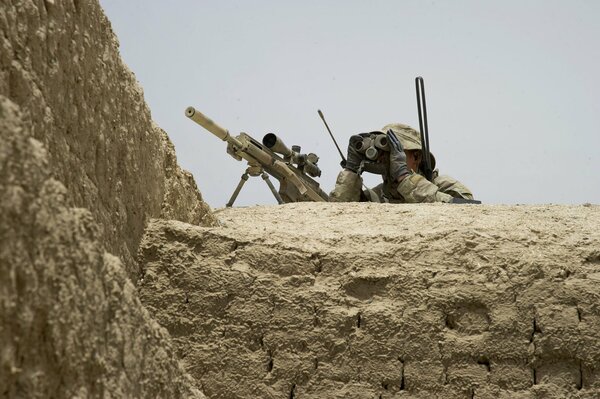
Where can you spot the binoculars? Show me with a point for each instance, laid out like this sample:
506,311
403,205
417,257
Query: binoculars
372,144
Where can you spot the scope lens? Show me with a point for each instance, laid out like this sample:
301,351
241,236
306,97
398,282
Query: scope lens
269,140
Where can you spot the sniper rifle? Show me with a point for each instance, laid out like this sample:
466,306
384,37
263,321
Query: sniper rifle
292,169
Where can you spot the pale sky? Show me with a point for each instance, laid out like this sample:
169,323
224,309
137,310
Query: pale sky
512,86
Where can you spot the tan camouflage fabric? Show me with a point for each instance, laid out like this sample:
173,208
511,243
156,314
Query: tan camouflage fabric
347,187
451,186
409,137
413,189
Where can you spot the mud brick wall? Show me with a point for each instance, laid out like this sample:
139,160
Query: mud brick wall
59,62
71,324
309,301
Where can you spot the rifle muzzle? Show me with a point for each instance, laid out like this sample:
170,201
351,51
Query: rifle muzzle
207,123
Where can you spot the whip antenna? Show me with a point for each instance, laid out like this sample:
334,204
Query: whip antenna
422,109
331,134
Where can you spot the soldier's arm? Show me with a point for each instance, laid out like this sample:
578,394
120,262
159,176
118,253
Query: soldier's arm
451,186
347,187
414,188
348,183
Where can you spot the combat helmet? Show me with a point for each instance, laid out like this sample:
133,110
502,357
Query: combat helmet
409,138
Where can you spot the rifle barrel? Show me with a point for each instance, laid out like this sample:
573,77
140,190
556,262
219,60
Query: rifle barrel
211,126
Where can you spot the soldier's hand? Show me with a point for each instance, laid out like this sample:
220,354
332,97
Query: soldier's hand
354,158
398,167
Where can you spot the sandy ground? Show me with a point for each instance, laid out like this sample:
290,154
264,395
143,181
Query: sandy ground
382,300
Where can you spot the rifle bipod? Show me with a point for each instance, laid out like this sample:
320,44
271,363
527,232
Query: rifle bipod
253,171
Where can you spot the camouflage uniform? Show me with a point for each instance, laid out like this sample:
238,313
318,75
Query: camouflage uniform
414,188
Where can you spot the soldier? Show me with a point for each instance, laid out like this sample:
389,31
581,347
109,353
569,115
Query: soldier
402,181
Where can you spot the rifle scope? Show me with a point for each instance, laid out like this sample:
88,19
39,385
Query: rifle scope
305,162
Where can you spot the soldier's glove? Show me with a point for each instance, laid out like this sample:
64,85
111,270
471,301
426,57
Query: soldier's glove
398,167
354,158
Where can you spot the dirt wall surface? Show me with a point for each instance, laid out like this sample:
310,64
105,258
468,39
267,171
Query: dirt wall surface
382,300
71,324
59,62
296,301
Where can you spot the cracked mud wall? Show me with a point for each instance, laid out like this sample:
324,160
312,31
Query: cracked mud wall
382,300
297,301
59,62
82,168
71,323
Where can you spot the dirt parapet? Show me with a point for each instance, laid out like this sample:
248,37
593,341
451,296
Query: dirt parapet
382,300
71,324
59,62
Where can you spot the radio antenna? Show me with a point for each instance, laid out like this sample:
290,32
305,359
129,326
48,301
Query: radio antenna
422,109
332,138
